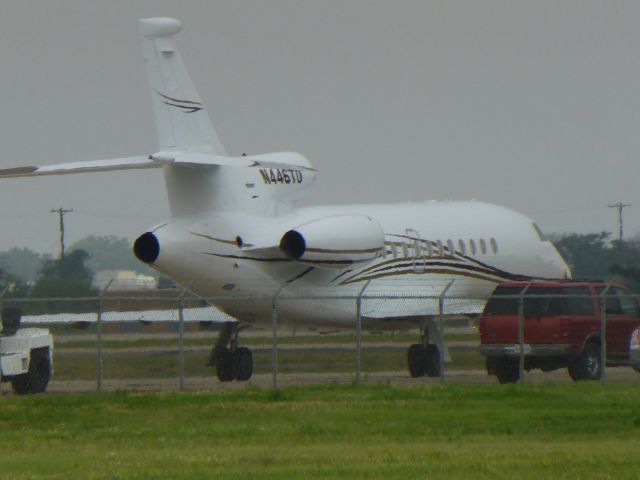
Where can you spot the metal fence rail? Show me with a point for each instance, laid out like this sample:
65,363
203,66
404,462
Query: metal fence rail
182,315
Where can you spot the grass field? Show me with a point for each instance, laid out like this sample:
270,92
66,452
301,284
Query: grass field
155,356
82,366
569,431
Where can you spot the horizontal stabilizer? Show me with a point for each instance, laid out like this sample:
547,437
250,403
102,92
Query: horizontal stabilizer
127,163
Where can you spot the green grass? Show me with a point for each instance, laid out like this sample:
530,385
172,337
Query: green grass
152,365
68,341
585,431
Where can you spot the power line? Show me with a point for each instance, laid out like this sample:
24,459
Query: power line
620,206
61,211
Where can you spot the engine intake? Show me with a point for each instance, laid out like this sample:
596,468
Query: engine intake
146,248
335,242
293,244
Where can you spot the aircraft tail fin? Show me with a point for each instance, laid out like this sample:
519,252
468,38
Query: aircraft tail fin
181,119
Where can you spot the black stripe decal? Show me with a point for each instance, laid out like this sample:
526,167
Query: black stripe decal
308,270
176,100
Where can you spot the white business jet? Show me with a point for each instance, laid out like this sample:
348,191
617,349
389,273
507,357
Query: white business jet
236,234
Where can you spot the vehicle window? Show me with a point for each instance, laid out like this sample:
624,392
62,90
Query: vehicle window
579,301
627,304
543,301
498,304
612,303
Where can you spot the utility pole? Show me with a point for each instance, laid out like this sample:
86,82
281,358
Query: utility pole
620,206
61,211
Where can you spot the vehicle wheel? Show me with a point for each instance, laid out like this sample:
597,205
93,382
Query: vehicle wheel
38,376
416,360
507,369
588,365
243,363
432,360
225,365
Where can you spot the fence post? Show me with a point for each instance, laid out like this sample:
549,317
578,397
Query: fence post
359,331
521,333
100,361
443,355
181,342
274,338
185,289
603,334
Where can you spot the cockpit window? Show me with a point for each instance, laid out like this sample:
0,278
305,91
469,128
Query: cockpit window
541,235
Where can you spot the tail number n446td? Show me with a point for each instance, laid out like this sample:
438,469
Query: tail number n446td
280,175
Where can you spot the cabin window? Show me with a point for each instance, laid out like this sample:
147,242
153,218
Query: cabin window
451,247
472,246
429,249
461,246
394,250
483,246
440,248
494,245
404,250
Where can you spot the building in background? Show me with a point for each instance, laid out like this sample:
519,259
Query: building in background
124,280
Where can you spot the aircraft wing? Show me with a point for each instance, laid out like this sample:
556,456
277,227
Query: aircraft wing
126,163
204,314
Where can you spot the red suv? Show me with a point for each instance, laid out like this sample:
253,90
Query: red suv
562,328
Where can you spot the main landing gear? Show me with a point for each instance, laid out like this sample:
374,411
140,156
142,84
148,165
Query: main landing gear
426,358
231,362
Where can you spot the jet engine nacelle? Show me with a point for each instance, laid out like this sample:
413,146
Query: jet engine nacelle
335,242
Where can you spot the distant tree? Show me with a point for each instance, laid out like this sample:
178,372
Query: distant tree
626,267
22,263
593,256
109,253
12,287
589,256
67,277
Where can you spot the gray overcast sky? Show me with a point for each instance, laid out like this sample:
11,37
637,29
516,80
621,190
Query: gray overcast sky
534,105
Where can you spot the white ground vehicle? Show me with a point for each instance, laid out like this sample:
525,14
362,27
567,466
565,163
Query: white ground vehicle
25,354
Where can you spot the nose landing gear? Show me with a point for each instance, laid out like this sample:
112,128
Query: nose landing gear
426,358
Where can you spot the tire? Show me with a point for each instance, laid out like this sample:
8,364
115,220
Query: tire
37,377
507,369
416,360
225,365
432,361
243,359
588,365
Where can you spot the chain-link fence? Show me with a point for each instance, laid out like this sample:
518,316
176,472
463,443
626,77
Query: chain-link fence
172,340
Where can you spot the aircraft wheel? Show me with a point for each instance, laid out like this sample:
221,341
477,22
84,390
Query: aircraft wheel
38,376
432,360
225,365
244,363
416,360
